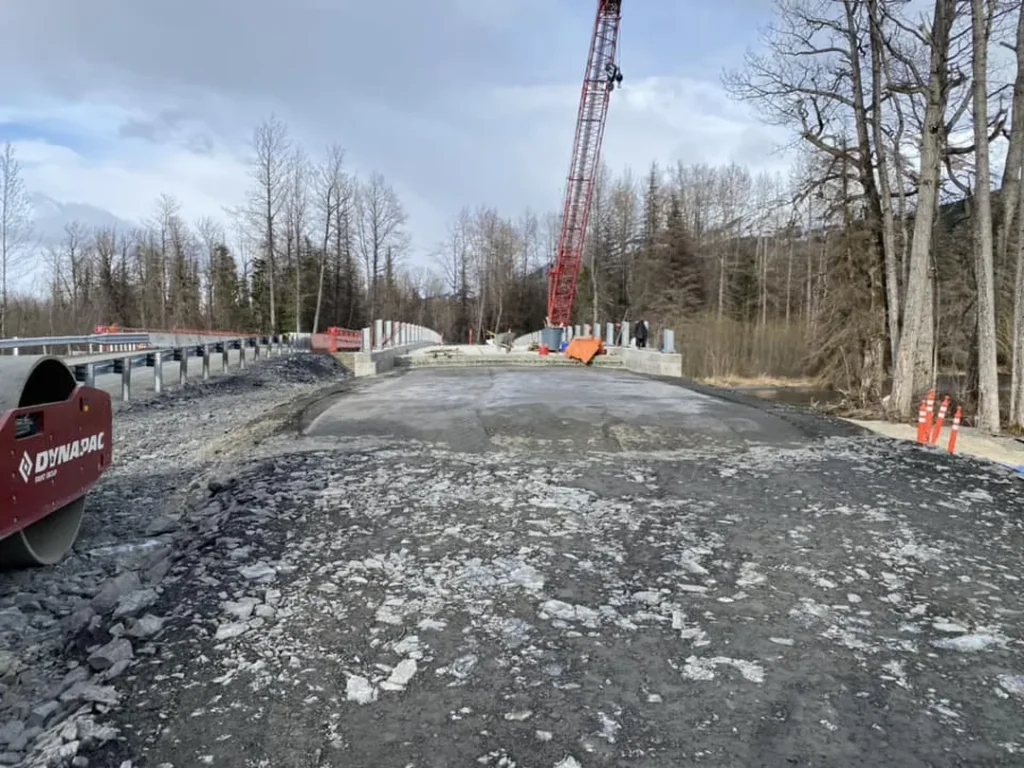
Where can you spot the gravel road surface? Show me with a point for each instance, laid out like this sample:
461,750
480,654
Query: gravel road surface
566,568
53,690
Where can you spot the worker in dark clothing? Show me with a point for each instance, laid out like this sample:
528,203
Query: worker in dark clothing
641,334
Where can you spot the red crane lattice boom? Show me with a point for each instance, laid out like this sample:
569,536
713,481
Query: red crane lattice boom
601,77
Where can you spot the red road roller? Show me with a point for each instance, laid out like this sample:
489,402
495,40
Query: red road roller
55,443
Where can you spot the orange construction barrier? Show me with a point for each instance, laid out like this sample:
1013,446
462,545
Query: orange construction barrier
937,429
955,428
922,421
584,349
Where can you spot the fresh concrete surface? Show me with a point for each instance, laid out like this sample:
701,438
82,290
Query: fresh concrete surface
508,567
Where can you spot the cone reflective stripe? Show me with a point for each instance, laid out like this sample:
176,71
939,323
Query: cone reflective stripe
929,415
937,429
955,428
922,420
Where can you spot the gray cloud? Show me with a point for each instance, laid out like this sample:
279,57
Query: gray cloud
407,86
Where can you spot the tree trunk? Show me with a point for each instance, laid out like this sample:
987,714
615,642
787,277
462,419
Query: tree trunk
1010,184
932,145
892,285
1017,375
988,373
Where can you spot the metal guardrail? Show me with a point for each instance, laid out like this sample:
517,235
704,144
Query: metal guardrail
34,342
124,363
120,352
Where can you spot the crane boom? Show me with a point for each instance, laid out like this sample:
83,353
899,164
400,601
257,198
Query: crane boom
601,76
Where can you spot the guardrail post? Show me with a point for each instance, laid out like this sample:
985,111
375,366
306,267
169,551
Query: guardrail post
256,348
182,354
205,352
241,354
156,361
126,379
224,356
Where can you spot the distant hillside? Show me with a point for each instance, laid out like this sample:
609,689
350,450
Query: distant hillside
51,217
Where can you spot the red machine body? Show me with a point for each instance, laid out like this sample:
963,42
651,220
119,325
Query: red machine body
55,442
601,76
63,450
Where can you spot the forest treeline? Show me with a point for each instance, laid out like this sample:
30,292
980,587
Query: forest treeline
889,256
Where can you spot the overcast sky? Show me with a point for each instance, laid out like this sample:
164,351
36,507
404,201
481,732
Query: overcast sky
456,102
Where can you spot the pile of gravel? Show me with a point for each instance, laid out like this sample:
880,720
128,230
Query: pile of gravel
300,369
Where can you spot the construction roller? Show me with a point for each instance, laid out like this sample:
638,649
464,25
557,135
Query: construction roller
55,443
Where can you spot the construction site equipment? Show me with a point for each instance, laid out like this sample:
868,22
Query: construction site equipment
584,349
601,77
55,443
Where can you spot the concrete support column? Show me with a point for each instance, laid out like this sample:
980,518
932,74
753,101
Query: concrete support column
378,334
669,345
182,354
224,360
609,334
389,329
367,343
241,354
205,352
625,334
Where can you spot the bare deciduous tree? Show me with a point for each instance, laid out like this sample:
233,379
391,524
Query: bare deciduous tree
379,221
333,199
15,225
271,146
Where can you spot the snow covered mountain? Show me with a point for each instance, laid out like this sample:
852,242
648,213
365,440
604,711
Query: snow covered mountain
52,216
